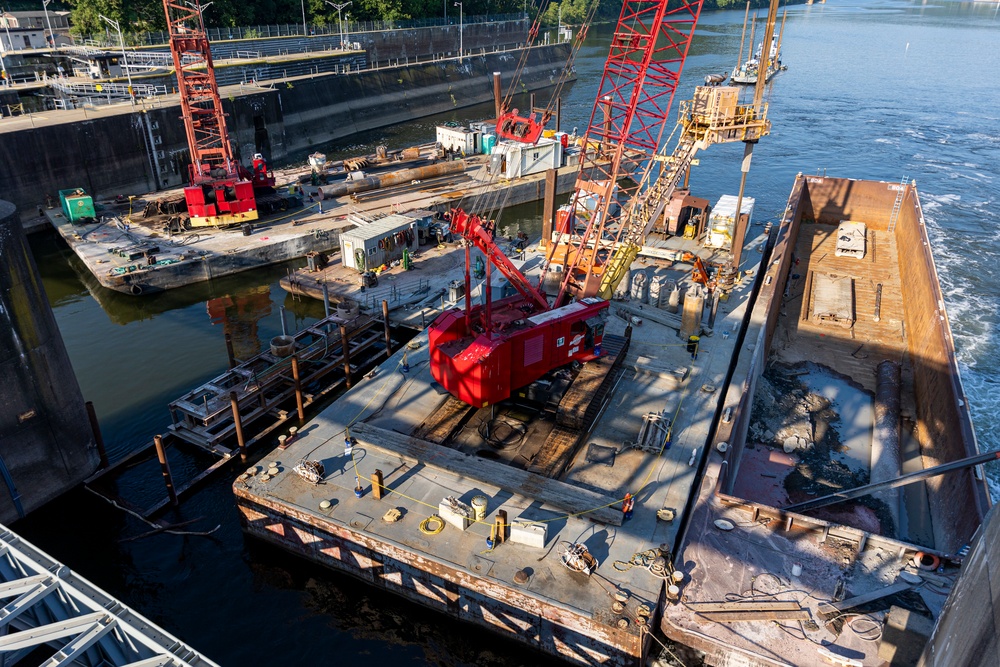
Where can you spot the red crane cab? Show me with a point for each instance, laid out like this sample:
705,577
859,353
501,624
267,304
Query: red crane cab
485,366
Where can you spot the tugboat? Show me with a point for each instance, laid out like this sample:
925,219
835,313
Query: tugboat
746,72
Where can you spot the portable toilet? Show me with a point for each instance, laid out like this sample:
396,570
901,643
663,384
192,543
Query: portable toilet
489,142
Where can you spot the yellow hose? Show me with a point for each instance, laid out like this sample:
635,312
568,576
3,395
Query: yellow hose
438,523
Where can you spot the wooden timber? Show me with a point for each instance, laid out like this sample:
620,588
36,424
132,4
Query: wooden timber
541,489
438,427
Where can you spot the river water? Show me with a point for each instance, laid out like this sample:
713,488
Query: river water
877,89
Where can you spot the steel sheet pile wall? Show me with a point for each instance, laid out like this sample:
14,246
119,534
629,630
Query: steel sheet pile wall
958,501
46,445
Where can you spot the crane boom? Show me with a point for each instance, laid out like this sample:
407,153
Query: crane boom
713,116
219,193
648,50
470,227
204,119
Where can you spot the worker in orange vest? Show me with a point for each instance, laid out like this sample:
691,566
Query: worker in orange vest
627,504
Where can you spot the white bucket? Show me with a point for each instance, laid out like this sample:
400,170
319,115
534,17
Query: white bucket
479,504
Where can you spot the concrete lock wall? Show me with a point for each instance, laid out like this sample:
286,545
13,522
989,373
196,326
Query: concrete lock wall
46,444
137,152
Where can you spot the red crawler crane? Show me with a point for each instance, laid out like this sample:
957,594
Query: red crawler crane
221,191
481,356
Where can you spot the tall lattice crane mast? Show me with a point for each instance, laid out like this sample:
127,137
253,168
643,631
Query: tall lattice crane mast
220,192
648,50
204,119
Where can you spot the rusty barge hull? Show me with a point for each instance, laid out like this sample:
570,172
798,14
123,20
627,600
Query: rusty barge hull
542,624
895,311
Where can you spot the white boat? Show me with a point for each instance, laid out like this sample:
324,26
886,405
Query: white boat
747,72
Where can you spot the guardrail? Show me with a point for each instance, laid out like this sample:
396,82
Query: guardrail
296,29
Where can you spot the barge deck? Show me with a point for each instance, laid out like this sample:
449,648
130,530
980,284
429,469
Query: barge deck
384,532
143,257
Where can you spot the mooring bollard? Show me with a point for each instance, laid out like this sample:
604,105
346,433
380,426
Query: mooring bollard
161,454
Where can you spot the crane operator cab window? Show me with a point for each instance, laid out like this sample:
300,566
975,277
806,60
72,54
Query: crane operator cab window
594,332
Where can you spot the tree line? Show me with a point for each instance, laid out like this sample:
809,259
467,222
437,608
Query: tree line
147,15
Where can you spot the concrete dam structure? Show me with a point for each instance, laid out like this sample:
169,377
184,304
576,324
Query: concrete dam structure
46,443
134,151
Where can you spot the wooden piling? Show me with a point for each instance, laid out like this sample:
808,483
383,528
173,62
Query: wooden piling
497,96
229,351
377,484
95,427
161,454
549,208
501,526
345,345
388,333
298,388
238,421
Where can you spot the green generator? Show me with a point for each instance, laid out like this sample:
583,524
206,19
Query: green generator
77,205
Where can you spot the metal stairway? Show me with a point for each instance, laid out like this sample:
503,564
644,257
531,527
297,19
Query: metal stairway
899,203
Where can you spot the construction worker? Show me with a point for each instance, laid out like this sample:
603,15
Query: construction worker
628,503
692,346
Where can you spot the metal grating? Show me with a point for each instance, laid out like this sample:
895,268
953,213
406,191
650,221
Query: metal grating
47,604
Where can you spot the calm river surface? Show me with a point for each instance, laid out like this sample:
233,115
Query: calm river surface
877,89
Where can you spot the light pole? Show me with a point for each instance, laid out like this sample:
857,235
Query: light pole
52,37
338,7
121,41
461,31
305,31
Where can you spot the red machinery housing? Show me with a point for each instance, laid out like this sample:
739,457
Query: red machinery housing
220,192
484,353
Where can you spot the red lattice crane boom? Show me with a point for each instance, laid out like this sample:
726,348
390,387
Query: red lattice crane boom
648,49
220,191
488,351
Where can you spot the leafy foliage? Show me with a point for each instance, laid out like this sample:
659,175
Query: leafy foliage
142,15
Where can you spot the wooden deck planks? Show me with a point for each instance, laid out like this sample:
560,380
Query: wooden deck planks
854,351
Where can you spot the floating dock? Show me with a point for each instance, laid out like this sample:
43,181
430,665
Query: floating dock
389,509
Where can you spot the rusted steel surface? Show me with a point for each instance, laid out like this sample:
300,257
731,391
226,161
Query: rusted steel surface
478,594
